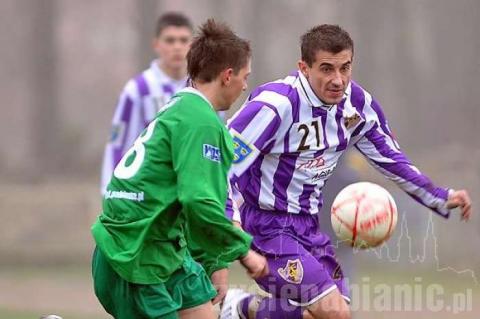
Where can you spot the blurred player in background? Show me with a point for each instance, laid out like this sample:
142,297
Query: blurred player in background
173,180
288,139
143,95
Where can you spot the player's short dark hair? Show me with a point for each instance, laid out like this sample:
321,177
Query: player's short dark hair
169,19
214,49
326,37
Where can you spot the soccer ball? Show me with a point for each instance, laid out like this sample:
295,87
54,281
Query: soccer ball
364,215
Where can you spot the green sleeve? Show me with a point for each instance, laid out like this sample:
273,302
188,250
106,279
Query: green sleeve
201,162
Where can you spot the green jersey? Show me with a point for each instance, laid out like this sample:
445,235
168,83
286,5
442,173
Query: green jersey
172,181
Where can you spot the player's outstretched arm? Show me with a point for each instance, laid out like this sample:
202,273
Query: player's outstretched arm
462,200
379,146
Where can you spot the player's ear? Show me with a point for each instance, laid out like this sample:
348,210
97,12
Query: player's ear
303,67
226,76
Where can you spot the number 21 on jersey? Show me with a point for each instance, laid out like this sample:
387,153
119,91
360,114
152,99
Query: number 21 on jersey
310,136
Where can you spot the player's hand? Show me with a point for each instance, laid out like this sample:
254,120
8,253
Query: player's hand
220,282
462,200
256,264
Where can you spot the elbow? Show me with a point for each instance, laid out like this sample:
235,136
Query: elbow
189,201
196,201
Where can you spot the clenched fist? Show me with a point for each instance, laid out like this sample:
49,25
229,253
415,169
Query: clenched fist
255,263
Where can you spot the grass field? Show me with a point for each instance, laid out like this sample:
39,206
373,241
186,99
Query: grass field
30,292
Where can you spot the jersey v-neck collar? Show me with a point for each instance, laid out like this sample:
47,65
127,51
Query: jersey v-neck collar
313,98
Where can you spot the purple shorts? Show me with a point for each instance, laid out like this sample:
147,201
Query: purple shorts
301,259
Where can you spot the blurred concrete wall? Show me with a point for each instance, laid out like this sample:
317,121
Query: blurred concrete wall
64,62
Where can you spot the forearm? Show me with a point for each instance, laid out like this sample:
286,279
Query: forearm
213,240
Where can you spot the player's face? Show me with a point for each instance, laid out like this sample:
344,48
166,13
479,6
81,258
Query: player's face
329,75
235,84
172,45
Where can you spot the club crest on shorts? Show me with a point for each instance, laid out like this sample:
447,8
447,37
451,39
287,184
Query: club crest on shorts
337,273
292,272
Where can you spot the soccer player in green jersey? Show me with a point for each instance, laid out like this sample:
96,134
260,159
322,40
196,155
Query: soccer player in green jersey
174,180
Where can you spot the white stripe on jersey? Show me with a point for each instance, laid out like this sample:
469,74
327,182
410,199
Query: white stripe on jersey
370,149
369,111
269,167
314,202
272,98
262,119
294,190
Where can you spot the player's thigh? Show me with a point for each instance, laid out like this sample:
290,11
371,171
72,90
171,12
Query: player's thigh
295,273
186,289
204,311
116,295
191,286
326,256
330,306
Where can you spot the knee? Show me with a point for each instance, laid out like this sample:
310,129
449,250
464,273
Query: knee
332,314
342,314
332,306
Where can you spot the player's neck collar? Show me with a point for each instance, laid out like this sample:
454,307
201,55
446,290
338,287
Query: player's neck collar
312,97
193,90
155,67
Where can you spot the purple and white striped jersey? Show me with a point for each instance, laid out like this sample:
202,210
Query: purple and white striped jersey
287,144
139,101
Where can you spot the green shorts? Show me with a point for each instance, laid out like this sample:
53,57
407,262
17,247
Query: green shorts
188,287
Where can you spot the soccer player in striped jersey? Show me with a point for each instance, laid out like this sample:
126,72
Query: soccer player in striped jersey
172,183
144,94
288,138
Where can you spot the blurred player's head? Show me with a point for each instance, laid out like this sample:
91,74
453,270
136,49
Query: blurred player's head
327,53
173,35
222,59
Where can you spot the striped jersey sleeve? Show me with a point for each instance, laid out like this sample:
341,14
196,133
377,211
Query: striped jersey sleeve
128,122
379,146
254,131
